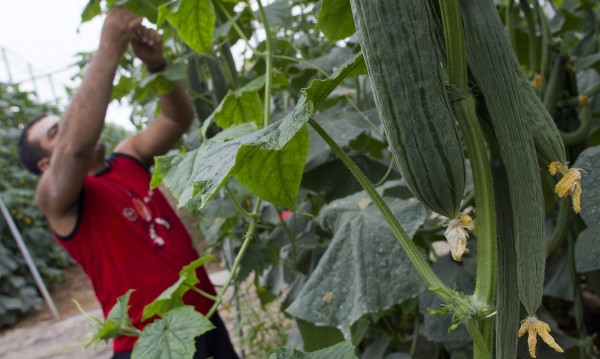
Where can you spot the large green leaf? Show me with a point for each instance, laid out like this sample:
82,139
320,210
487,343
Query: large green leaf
268,162
343,350
173,336
335,19
194,21
171,297
363,254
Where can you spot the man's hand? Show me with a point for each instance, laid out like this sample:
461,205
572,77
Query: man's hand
118,30
147,46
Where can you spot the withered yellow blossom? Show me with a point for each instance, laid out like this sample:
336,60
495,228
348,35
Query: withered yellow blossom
534,327
456,235
569,184
537,81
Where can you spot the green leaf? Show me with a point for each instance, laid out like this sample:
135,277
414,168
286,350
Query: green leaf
363,254
589,162
335,19
117,322
145,8
318,337
343,350
239,107
234,132
587,250
170,298
123,87
91,10
268,162
194,21
273,156
279,13
332,59
319,90
258,258
173,336
585,62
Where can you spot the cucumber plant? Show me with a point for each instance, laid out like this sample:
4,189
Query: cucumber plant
447,81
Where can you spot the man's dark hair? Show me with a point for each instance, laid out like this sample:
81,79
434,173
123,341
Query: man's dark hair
30,152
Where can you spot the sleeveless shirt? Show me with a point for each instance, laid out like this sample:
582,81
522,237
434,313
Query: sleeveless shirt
128,237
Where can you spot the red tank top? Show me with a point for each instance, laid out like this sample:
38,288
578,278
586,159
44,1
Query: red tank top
128,237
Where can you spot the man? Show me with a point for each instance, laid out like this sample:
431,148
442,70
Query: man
103,211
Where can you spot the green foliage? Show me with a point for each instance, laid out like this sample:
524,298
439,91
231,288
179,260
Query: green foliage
332,261
170,298
194,21
117,322
18,293
172,336
363,252
335,19
343,350
587,247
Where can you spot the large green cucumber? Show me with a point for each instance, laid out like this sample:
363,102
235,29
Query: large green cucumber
408,84
492,62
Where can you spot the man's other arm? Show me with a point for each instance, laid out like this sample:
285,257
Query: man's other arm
177,112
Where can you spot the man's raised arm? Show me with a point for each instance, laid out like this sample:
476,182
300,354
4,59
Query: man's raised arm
177,112
73,148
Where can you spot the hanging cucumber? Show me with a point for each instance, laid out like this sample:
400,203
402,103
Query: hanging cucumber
404,66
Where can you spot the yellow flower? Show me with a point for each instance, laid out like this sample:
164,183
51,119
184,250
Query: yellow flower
534,326
456,235
554,167
583,99
569,184
537,81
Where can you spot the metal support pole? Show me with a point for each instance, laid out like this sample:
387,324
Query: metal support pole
36,275
35,88
10,79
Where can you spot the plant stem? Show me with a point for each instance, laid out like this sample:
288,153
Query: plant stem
269,60
485,284
238,258
466,114
524,4
510,23
480,348
236,203
203,293
303,62
409,247
545,43
235,25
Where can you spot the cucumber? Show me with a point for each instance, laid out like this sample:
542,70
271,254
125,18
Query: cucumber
397,39
492,62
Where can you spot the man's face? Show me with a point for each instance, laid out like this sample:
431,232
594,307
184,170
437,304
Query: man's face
45,132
